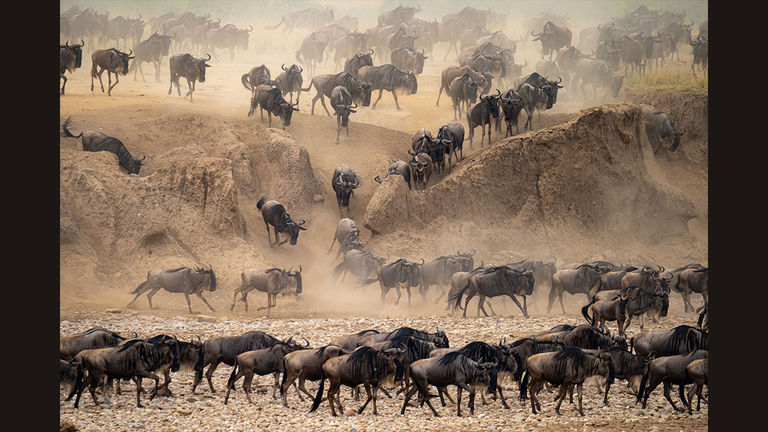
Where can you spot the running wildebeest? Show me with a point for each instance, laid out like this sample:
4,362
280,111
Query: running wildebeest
388,77
452,72
668,370
399,168
366,366
70,58
598,74
679,340
269,98
92,338
363,264
354,63
262,361
565,368
181,280
344,181
325,83
151,50
347,235
552,38
454,368
224,349
114,62
306,365
343,106
496,281
186,66
272,281
438,272
289,81
660,128
480,115
95,141
584,279
274,214
396,273
257,76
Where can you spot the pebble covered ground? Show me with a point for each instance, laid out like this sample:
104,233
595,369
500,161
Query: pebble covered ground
204,411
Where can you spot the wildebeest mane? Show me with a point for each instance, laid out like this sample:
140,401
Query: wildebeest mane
360,333
687,337
450,357
415,348
585,337
480,352
175,270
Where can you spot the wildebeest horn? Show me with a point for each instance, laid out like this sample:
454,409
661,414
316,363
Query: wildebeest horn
283,66
209,57
661,268
251,28
371,50
301,69
422,260
305,339
498,92
66,44
289,270
302,222
559,80
299,268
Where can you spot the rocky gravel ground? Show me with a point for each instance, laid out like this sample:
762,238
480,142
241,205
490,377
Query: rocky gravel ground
185,411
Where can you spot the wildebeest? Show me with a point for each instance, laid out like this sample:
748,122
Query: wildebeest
660,129
306,365
180,280
452,72
134,360
438,337
397,273
408,60
694,280
275,214
397,15
511,106
451,135
271,281
679,340
289,81
347,235
366,366
92,338
355,62
388,77
552,37
609,51
352,341
598,74
438,272
698,370
454,368
496,281
542,271
605,310
480,115
151,50
347,47
224,349
344,181
70,58
634,53
626,366
638,301
95,141
565,368
114,62
257,76
363,264
533,98
700,54
325,83
583,279
343,106
668,370
304,19
587,337
399,168
463,91
312,51
421,169
262,361
190,68
269,98
227,37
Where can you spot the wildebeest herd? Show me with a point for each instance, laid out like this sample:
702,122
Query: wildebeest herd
405,359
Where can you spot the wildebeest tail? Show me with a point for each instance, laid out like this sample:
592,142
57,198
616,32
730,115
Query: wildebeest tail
319,395
78,378
458,296
585,311
524,384
66,133
261,202
139,288
285,378
682,387
643,382
337,270
231,380
246,84
276,25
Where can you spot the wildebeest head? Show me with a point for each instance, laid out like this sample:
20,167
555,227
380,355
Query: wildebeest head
420,57
77,50
346,186
493,102
293,70
133,166
297,276
208,271
467,260
364,59
286,111
125,57
412,271
201,65
294,228
550,89
413,85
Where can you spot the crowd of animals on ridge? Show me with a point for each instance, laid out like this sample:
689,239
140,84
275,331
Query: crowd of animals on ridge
407,360
485,56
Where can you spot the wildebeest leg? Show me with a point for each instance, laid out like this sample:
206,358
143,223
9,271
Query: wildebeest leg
667,388
579,388
466,302
151,293
370,397
394,95
100,82
269,235
408,396
378,99
397,287
338,131
302,387
189,93
205,301
441,90
247,386
525,313
117,80
561,302
189,305
481,300
209,374
65,82
560,398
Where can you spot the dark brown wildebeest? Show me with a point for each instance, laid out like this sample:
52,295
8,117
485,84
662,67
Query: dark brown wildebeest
271,281
634,53
496,281
343,106
565,368
193,69
698,370
480,115
388,77
511,106
421,169
151,50
584,279
438,272
588,337
355,62
605,310
348,237
289,81
257,76
260,362
660,129
638,301
275,214
366,366
679,340
452,72
269,98
325,83
181,280
70,58
611,281
397,273
306,365
135,360
344,181
454,368
694,281
451,135
438,337
626,366
552,37
90,339
224,349
95,141
112,61
668,370
463,91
